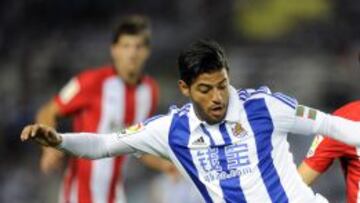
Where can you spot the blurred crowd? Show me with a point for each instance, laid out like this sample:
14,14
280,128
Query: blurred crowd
308,50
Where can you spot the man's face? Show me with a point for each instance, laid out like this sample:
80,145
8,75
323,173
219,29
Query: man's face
129,55
209,94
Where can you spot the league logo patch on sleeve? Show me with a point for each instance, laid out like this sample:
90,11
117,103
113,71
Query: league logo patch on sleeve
69,90
317,140
132,129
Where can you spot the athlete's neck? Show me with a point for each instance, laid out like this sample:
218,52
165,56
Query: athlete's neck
131,79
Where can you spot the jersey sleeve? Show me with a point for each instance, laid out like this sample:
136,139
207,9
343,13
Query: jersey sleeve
307,120
316,122
148,138
75,94
289,117
281,108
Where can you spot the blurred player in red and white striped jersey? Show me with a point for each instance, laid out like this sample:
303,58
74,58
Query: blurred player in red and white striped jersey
102,100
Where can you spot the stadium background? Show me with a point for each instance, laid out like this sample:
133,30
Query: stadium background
308,50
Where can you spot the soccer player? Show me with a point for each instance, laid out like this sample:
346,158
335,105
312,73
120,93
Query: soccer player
325,150
231,144
102,100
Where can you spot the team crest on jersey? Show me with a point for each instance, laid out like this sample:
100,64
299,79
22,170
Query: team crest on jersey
132,129
238,131
317,140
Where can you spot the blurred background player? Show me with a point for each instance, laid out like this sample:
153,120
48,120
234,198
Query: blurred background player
325,150
102,100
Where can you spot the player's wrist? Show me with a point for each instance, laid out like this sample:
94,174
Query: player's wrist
60,141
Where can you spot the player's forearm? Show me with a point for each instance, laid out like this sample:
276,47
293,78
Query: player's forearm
48,114
155,162
93,146
51,159
340,129
307,174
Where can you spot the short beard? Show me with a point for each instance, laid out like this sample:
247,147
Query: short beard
200,113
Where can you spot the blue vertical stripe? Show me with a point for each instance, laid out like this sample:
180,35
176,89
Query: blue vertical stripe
208,134
179,136
231,187
262,125
224,133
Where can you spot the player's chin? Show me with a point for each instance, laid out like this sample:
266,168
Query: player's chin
213,119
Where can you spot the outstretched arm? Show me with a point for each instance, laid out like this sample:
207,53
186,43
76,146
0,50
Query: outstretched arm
51,159
150,138
338,128
87,145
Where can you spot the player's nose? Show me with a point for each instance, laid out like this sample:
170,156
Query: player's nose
216,97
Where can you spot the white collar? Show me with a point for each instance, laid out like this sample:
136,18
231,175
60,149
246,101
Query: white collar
232,113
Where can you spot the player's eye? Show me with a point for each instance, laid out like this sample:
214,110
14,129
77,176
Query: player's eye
222,86
204,89
125,45
138,46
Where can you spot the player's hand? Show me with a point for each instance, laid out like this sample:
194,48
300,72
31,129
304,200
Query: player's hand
44,135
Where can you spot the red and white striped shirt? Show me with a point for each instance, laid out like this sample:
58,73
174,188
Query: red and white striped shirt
325,150
99,101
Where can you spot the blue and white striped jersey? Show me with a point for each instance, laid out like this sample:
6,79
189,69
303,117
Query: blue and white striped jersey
245,158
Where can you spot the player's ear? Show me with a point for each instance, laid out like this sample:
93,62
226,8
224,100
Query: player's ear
184,88
148,52
113,50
